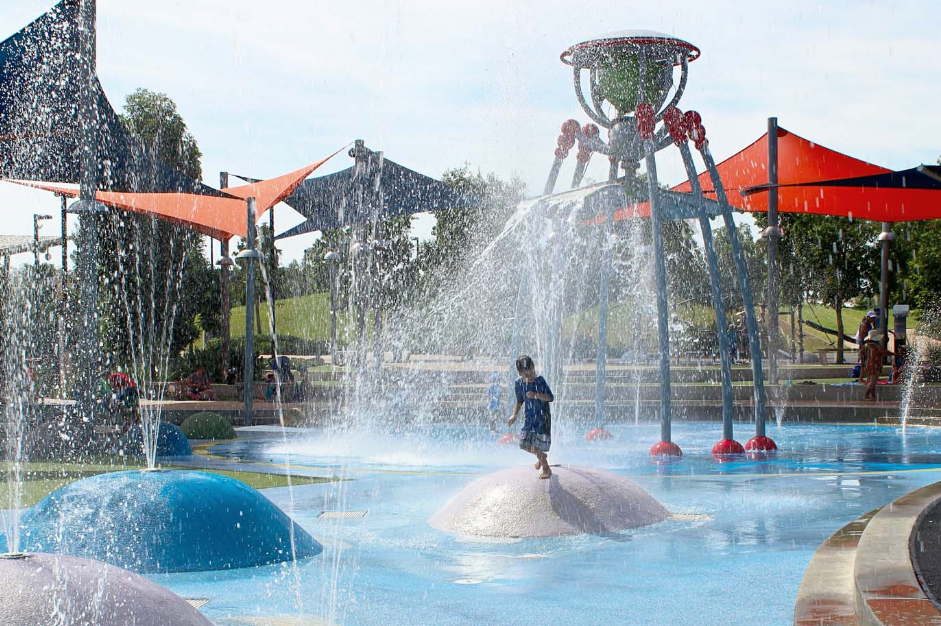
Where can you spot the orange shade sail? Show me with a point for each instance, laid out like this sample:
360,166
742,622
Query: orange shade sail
220,217
803,162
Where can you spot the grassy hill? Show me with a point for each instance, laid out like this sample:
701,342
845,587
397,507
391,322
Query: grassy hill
308,317
304,316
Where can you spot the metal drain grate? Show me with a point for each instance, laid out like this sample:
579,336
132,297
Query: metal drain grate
197,603
691,517
342,514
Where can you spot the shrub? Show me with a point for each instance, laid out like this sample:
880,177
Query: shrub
207,425
189,360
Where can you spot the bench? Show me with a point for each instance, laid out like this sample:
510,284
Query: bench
849,355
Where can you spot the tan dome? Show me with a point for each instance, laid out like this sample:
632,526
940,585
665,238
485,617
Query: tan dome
575,500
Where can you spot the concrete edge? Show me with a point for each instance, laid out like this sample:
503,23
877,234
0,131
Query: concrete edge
827,593
912,547
888,592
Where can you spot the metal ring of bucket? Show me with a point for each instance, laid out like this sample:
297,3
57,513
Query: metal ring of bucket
585,54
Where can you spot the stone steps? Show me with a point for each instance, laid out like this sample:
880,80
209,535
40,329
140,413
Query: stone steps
864,575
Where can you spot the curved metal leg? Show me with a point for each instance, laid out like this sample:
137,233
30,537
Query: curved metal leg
750,319
713,263
660,273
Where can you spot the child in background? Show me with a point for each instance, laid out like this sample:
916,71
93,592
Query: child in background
271,384
533,392
494,395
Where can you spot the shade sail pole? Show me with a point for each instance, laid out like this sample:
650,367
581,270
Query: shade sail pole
773,234
886,238
224,263
273,265
249,377
88,258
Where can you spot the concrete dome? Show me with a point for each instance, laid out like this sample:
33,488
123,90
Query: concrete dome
575,500
170,442
66,591
164,521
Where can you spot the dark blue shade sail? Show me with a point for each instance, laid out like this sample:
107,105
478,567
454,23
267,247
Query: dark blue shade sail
40,130
920,177
387,190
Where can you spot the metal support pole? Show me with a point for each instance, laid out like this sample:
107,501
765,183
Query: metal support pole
377,250
249,313
886,238
721,321
333,310
516,337
88,263
63,296
65,235
553,176
773,233
660,273
377,352
800,329
273,268
360,289
751,322
224,285
604,289
35,245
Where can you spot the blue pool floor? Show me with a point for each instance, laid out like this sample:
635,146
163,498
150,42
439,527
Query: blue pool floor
744,532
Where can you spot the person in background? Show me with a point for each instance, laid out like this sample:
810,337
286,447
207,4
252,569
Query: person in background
898,364
865,327
303,390
533,392
873,359
232,376
494,396
281,366
271,387
198,386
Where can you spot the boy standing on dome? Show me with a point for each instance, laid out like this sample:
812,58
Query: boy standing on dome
533,392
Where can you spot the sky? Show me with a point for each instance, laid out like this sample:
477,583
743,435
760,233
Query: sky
266,88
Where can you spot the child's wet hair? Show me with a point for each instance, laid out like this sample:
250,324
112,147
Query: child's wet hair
524,363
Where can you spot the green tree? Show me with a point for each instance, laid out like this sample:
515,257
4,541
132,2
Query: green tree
835,257
462,232
155,280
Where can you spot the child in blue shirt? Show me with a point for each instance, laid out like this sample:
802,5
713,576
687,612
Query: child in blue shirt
533,392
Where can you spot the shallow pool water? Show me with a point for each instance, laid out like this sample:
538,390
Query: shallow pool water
744,533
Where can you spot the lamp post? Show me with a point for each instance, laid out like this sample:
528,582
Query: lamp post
225,264
224,282
381,251
248,256
36,220
332,257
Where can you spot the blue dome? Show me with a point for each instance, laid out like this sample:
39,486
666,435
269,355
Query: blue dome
164,521
170,441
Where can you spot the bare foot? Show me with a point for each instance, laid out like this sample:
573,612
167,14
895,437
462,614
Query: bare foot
546,473
538,465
